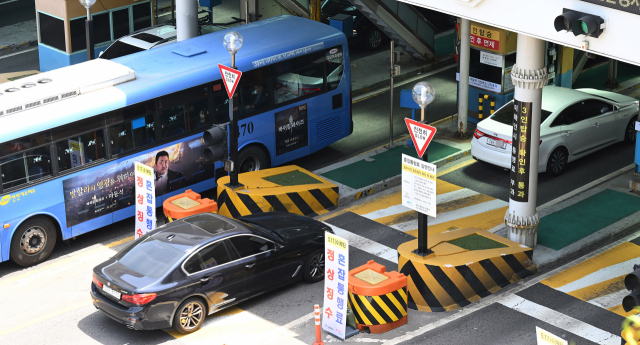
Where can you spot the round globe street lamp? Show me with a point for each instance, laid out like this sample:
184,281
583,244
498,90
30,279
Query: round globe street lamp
89,27
232,42
423,93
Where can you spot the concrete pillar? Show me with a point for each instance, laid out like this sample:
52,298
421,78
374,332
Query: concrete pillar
529,75
186,19
463,85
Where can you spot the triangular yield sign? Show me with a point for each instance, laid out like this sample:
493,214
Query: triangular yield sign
231,77
421,135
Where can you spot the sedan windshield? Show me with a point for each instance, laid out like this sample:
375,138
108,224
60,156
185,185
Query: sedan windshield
504,115
150,258
119,49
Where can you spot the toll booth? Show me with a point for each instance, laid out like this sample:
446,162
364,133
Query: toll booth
61,28
492,56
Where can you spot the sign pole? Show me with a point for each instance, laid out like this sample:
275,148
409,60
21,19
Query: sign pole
233,134
231,77
423,221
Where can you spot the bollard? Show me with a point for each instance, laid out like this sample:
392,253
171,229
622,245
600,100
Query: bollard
316,311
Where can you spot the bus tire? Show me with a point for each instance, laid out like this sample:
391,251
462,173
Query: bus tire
33,242
253,158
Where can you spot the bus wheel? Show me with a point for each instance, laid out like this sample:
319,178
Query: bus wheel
253,158
33,242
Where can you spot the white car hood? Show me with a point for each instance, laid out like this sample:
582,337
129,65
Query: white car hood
495,129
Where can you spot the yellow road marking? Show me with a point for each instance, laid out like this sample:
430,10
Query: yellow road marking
462,203
624,252
39,319
600,289
620,311
455,167
113,244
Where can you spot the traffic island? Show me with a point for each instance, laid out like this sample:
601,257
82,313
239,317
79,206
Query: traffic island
282,189
466,265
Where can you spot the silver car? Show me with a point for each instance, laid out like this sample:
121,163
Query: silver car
574,123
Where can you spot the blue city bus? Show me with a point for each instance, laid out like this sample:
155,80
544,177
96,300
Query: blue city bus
69,137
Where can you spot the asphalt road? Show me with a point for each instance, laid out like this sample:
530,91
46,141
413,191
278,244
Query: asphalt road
16,11
494,181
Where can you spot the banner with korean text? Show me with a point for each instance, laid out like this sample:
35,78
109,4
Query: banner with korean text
336,285
145,200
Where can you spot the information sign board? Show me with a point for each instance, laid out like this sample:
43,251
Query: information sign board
336,285
545,338
419,185
145,200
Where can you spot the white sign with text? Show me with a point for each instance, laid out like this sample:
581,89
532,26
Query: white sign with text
336,285
419,185
145,200
491,59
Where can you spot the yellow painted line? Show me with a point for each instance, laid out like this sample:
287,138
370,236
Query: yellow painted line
375,204
455,167
600,289
397,218
483,221
444,187
42,318
624,252
113,244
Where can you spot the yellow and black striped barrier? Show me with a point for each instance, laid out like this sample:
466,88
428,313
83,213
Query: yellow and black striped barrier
258,194
378,298
454,277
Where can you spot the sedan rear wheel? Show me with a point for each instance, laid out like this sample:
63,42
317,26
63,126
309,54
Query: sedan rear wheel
314,267
189,316
557,161
630,131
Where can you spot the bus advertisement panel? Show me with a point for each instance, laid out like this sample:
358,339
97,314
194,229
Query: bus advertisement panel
110,187
291,129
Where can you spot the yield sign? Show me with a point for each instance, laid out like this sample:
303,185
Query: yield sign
421,135
231,77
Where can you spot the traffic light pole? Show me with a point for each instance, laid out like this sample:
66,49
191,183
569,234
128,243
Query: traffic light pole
529,76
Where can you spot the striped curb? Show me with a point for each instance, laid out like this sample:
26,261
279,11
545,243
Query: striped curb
454,279
379,310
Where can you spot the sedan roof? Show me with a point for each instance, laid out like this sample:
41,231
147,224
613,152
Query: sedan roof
555,98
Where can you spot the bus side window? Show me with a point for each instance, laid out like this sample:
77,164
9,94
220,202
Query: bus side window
220,104
253,92
335,66
79,150
174,121
131,127
184,111
25,167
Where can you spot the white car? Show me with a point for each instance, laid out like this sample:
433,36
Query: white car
574,123
146,39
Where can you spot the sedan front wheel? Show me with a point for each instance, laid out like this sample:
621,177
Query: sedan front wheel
557,161
314,267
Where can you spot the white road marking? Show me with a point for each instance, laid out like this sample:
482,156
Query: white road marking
560,320
7,2
453,215
18,53
600,275
366,244
442,198
609,301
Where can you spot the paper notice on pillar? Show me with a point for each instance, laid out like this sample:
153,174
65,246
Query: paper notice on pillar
419,185
336,285
145,200
546,338
519,182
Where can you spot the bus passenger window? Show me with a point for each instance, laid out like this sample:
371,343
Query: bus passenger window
335,67
132,134
79,150
198,114
25,167
221,107
253,92
174,121
121,138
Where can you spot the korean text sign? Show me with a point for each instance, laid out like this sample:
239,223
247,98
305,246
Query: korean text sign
145,200
419,185
336,285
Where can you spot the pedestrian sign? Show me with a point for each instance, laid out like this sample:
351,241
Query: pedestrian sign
231,77
421,134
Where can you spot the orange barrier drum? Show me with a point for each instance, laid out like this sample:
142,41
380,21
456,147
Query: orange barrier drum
378,298
187,204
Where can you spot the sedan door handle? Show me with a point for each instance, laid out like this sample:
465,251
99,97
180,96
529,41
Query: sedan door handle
250,266
567,133
205,279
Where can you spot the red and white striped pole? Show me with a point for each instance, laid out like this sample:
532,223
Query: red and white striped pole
318,333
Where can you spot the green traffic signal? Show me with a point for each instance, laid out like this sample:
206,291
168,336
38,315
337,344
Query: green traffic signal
584,26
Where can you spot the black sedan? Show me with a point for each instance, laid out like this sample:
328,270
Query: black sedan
182,271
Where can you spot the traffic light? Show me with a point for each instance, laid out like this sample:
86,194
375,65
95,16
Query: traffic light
579,23
215,140
632,283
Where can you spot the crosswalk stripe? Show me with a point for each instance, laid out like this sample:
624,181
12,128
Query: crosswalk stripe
610,300
606,273
366,244
624,252
452,215
483,221
442,198
560,320
599,289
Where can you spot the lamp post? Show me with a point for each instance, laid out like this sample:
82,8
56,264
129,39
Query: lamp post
232,42
423,93
89,28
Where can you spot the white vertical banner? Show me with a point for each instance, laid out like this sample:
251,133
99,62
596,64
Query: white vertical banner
336,285
145,200
76,152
